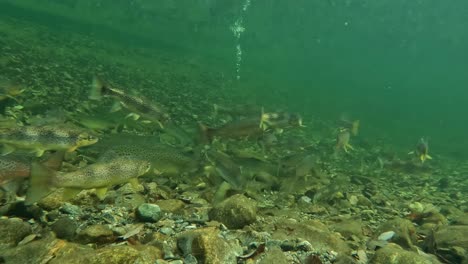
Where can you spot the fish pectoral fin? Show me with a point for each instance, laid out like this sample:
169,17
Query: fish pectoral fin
135,183
7,149
101,193
69,193
348,146
133,116
411,153
39,152
115,107
160,125
72,149
428,157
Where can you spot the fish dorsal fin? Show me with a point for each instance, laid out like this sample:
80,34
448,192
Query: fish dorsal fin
101,193
40,183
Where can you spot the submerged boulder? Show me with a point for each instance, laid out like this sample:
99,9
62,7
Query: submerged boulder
394,254
235,212
449,242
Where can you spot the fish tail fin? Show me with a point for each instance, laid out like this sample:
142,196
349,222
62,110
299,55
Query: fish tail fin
98,88
54,161
206,133
40,183
355,128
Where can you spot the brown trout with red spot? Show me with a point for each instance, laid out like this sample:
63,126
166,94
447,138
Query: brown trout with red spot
13,167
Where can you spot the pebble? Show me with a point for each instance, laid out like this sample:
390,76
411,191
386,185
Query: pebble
385,236
12,231
149,213
304,245
236,211
166,231
190,259
70,209
96,234
305,199
64,228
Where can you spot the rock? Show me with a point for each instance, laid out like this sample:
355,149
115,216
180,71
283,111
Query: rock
45,250
99,234
64,228
208,247
288,245
348,228
235,212
435,218
190,259
52,201
353,200
70,209
450,242
110,254
461,220
274,255
364,201
313,231
405,232
19,209
386,236
166,231
171,205
394,254
12,231
149,213
53,216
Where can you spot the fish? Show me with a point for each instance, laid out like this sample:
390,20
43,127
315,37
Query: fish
15,166
225,167
138,106
39,139
280,120
250,127
9,89
181,135
422,150
342,140
99,176
352,126
164,159
244,128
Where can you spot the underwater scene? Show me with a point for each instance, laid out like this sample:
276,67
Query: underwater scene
233,131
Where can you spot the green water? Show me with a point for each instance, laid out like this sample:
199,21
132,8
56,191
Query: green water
398,66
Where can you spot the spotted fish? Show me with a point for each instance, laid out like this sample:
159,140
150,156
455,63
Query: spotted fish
42,138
